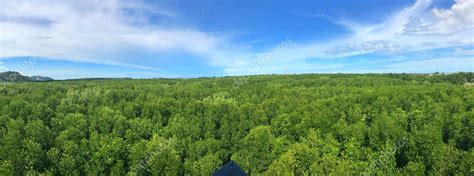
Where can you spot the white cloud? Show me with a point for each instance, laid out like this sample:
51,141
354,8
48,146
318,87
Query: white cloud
93,31
464,52
445,21
415,28
101,31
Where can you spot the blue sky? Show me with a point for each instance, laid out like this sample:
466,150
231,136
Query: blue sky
188,38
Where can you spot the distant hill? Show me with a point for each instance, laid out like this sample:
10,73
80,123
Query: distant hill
13,76
40,78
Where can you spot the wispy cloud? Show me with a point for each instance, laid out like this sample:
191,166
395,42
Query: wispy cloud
94,31
121,33
415,28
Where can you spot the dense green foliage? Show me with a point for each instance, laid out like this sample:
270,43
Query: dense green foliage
272,125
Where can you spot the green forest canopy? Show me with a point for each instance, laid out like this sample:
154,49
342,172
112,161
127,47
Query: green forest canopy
269,124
